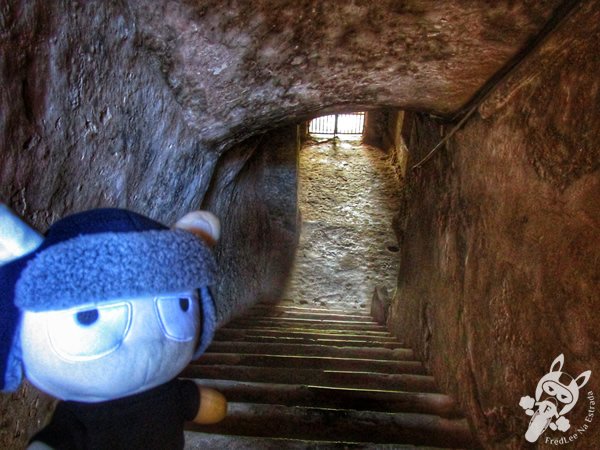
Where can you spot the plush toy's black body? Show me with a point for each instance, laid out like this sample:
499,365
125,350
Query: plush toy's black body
152,420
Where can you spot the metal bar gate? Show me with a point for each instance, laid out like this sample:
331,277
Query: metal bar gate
352,123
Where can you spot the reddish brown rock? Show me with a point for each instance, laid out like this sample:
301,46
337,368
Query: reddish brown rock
501,236
241,67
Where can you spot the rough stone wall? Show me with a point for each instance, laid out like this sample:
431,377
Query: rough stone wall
255,195
395,144
375,128
86,121
383,129
347,199
501,231
239,67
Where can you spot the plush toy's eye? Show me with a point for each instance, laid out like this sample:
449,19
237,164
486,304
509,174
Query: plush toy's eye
184,304
178,315
89,333
87,317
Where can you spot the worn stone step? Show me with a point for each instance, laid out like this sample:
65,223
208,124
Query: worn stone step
331,330
276,348
333,378
231,333
195,440
312,339
331,397
316,315
311,362
276,421
289,307
284,324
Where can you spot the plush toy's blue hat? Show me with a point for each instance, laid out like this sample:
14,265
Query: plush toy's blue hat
96,256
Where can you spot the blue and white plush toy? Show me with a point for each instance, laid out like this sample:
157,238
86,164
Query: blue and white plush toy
103,313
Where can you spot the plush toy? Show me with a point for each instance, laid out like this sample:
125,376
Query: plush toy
103,313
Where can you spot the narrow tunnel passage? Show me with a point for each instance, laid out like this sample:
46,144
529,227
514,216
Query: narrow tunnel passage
318,363
347,199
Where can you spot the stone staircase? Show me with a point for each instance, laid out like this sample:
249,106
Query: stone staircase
310,378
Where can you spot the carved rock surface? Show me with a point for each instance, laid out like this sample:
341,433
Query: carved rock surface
254,194
239,67
86,120
501,233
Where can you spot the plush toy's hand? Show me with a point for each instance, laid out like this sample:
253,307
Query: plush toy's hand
213,406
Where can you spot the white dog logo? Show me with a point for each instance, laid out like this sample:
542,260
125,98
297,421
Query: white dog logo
555,395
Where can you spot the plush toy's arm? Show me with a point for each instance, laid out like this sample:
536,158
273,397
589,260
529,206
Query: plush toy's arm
213,406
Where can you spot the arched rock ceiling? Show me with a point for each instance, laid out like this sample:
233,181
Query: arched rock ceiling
238,67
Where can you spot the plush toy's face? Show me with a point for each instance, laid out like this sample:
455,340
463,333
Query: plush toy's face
113,349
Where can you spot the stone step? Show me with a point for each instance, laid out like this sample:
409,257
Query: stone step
285,324
332,378
315,315
300,378
337,398
311,362
289,307
314,327
278,421
276,348
232,335
205,441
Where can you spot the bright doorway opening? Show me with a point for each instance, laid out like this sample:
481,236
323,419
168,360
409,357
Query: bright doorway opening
348,126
